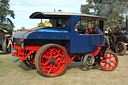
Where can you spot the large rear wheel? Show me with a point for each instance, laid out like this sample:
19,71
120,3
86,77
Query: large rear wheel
51,60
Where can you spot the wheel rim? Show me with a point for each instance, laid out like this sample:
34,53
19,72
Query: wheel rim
88,60
120,48
53,61
30,61
109,62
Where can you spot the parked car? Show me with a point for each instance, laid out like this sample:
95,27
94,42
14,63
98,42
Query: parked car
4,39
50,49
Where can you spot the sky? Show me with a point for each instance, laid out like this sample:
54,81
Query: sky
24,8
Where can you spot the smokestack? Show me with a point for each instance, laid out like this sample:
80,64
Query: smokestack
127,23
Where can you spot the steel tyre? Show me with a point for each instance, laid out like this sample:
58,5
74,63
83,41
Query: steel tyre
120,48
51,60
107,42
113,39
88,60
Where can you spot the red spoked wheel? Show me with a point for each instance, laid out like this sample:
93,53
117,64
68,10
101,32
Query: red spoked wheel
109,62
51,60
30,61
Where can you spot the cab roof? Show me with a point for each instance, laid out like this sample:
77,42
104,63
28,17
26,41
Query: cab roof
50,15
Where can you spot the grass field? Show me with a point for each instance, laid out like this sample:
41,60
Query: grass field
12,73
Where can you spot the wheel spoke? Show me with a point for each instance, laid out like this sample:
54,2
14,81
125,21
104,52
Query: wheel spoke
49,70
58,54
44,64
46,57
57,63
51,53
113,61
103,61
110,63
110,56
112,66
30,61
104,66
53,60
105,56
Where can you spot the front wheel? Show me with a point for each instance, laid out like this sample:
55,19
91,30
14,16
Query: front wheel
109,62
51,60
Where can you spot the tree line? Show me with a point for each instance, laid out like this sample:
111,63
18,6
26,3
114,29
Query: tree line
114,10
5,12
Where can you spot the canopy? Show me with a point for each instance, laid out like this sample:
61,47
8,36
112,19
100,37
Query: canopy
50,15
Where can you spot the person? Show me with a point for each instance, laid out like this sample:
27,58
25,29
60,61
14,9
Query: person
76,28
9,43
95,29
90,30
108,31
12,49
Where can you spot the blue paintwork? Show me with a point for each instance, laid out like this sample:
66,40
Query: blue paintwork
78,43
85,43
53,30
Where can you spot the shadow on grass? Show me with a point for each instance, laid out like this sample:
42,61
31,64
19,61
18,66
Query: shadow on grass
25,67
80,66
1,53
1,62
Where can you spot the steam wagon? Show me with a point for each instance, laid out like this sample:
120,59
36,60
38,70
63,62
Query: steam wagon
50,48
119,39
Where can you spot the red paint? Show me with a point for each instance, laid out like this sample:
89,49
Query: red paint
96,52
21,52
71,57
113,62
59,63
90,29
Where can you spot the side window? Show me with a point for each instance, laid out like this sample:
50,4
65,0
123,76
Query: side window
58,23
88,26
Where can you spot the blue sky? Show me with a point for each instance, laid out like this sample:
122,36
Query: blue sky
23,8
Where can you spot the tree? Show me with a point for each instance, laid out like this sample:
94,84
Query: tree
22,28
113,10
5,22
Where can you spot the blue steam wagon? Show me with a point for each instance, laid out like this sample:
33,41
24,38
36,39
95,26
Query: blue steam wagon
53,45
